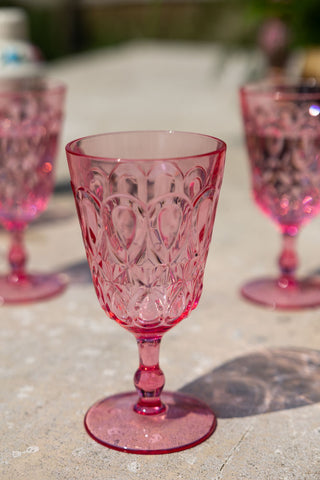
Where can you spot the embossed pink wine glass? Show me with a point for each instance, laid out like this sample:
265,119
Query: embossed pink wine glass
146,203
30,121
282,126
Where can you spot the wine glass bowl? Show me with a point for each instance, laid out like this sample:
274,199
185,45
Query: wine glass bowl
146,203
31,111
282,128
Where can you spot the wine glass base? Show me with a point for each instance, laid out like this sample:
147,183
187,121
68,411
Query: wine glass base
186,422
31,288
267,292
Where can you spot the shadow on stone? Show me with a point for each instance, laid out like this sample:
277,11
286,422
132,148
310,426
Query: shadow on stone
265,381
78,273
51,216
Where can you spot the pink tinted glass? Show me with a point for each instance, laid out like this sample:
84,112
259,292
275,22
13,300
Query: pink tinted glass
31,113
282,128
146,203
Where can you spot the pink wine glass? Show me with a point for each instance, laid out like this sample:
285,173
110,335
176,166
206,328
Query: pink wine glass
30,121
282,126
146,203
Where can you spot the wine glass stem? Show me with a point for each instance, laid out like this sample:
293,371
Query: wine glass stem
288,261
17,256
149,378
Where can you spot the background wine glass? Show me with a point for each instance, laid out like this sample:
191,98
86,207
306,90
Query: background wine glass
31,111
282,127
146,203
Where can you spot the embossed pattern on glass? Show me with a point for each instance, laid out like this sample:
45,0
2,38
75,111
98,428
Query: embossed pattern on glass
31,112
146,203
282,127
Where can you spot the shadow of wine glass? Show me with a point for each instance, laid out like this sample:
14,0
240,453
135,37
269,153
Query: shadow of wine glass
269,380
51,216
78,273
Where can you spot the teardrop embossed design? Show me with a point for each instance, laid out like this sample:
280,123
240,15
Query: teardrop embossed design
194,182
90,222
169,219
169,224
124,219
282,138
149,306
164,179
127,182
97,180
180,300
205,212
124,222
147,234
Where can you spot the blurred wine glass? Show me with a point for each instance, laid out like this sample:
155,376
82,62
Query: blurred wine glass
282,128
31,113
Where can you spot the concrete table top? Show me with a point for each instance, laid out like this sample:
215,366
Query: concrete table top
258,368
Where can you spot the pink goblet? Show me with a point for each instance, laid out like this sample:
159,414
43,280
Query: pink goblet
282,127
30,121
146,203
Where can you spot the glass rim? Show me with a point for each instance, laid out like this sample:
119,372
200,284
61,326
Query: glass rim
285,88
39,84
220,146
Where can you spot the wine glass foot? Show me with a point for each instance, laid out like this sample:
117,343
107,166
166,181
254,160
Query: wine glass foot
31,288
268,292
186,422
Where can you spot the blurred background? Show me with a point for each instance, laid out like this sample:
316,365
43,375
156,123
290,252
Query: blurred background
279,28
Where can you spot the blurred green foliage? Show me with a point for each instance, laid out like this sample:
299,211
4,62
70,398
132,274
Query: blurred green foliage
69,26
301,16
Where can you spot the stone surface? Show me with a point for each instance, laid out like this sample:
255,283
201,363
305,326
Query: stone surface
258,366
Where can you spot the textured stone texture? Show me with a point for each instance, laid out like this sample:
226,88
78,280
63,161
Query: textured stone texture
58,357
